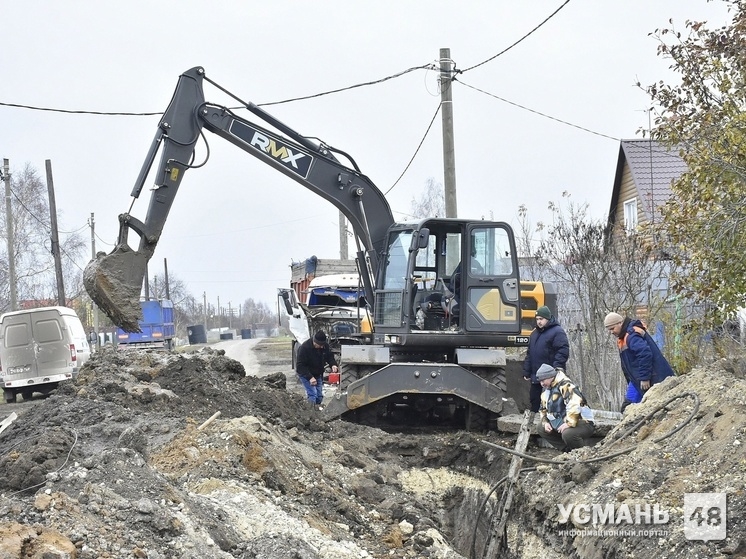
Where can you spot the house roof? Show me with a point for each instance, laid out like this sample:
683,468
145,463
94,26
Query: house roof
653,167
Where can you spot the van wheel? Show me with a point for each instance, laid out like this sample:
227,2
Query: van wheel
27,395
10,396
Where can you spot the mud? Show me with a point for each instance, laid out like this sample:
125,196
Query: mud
116,465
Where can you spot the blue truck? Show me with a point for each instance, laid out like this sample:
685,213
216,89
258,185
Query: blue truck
156,325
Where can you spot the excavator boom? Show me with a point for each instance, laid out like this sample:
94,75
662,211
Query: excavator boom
114,280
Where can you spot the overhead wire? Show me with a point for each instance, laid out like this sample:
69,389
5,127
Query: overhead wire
331,91
422,141
47,228
523,107
554,13
76,111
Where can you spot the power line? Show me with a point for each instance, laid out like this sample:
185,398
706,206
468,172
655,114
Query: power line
429,126
397,75
76,112
537,112
302,98
518,41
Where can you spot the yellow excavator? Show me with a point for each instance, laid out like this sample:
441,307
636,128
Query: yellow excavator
444,293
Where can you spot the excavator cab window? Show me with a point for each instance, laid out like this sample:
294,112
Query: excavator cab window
397,256
490,252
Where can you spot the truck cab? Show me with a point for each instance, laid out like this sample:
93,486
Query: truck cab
334,303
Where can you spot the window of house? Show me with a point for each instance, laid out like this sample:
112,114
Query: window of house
630,215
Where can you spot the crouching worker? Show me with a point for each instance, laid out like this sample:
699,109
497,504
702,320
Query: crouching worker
313,354
566,419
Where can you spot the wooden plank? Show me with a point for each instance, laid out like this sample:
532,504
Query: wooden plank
7,421
605,421
499,540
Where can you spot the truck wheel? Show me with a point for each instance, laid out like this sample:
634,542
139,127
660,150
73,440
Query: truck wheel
10,396
498,378
476,418
495,375
348,374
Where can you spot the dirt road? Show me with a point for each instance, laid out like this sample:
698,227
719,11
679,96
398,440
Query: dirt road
242,351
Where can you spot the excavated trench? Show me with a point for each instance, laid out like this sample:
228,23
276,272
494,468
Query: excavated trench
127,428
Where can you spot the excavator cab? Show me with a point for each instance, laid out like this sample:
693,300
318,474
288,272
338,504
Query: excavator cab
452,276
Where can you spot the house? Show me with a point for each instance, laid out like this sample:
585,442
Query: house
642,183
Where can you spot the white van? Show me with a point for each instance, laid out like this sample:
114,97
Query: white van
39,348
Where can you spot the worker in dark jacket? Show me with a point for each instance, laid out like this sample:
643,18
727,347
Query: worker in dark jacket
313,355
547,344
643,363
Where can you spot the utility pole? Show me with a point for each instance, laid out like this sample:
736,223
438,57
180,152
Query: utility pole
146,283
165,277
9,233
343,253
93,257
204,307
449,155
55,236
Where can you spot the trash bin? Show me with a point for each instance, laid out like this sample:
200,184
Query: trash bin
226,335
197,334
246,333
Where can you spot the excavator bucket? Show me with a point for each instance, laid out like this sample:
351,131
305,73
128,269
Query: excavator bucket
114,282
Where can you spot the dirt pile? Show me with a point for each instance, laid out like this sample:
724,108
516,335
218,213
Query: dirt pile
116,465
130,461
686,437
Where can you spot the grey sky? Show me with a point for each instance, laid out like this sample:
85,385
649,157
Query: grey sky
236,224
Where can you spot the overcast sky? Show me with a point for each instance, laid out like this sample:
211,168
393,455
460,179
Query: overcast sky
236,224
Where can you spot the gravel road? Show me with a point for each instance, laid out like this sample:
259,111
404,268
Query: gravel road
242,351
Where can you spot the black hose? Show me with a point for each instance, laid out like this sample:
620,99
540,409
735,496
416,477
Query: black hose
661,407
626,433
472,551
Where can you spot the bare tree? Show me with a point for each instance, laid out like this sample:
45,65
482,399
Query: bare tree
183,301
594,275
432,202
256,312
31,251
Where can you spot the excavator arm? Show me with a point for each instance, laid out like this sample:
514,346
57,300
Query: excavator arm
114,280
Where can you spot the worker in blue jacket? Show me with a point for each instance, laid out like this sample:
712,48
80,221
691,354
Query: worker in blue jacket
643,363
548,344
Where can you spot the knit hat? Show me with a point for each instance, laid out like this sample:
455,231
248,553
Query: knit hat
545,372
320,337
544,312
612,319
